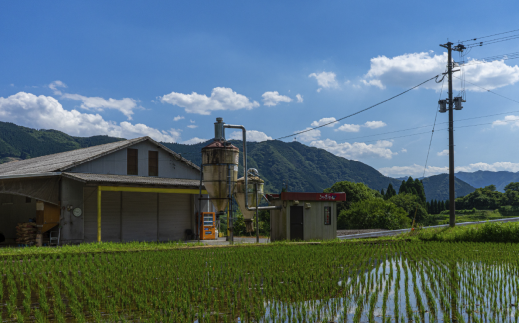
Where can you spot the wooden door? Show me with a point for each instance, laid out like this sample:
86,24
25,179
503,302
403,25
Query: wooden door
296,222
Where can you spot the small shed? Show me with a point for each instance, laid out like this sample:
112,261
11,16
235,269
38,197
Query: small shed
304,216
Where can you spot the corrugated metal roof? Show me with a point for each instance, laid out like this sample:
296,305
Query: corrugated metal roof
129,179
65,160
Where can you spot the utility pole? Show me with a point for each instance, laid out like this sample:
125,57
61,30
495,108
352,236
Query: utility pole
458,102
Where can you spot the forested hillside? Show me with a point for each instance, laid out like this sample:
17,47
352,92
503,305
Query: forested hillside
18,142
302,168
482,178
437,187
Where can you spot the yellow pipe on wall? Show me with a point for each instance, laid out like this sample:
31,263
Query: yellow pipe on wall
150,190
99,214
139,190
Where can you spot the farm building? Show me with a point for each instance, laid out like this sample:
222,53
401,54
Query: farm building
138,189
304,216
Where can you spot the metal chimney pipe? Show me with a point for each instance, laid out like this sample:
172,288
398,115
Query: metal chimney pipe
244,151
219,130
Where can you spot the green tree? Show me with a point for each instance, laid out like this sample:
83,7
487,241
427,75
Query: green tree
491,188
482,199
239,226
428,208
374,214
513,186
264,218
419,187
415,187
383,191
402,188
410,203
390,191
355,192
511,197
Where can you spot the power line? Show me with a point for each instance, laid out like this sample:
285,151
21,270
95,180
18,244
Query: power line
490,58
429,125
492,40
505,32
421,133
353,114
490,61
433,130
505,97
499,41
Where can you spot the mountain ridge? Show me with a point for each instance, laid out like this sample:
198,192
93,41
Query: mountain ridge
300,167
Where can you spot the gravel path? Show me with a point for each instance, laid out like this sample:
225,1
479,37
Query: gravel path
349,232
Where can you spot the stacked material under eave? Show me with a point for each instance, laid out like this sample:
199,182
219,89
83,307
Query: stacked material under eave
26,233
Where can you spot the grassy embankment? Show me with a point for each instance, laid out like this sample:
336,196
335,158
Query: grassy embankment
486,232
507,232
470,216
104,247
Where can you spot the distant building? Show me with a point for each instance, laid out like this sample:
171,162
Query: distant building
148,192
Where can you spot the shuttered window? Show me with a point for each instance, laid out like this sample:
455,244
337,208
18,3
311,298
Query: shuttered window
153,163
131,162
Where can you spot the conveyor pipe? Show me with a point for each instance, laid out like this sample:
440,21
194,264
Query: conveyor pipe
244,151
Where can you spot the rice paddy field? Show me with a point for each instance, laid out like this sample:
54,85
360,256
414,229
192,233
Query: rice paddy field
333,282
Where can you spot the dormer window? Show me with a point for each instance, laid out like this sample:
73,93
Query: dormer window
153,163
131,161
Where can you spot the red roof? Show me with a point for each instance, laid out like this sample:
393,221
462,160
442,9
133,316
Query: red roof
217,144
292,196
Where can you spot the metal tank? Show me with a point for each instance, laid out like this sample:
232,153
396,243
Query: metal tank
220,168
253,199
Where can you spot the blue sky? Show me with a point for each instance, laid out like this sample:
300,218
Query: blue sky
167,70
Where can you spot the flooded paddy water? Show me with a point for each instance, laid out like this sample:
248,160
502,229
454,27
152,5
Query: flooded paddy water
334,282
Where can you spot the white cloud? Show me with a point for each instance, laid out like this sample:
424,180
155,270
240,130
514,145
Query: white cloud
417,170
299,98
374,83
221,99
192,126
411,69
251,135
356,127
325,80
193,141
445,152
309,135
273,98
374,124
55,85
356,150
349,128
404,150
192,121
177,118
45,112
125,105
508,120
324,121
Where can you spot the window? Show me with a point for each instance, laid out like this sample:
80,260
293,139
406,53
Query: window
328,220
153,163
131,161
